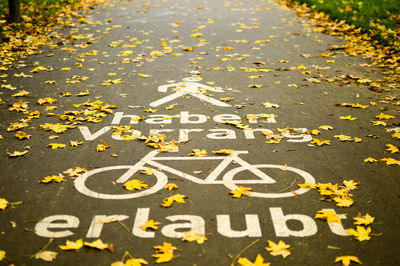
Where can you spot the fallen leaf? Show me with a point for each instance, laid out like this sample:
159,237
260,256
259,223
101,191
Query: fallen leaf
370,160
167,202
326,127
46,255
22,135
171,186
150,224
2,255
165,253
278,249
3,203
55,146
17,153
346,260
363,220
382,116
390,161
52,178
71,245
361,233
224,151
321,142
343,201
237,193
198,153
103,146
259,261
194,236
392,148
98,244
135,184
329,216
349,117
147,171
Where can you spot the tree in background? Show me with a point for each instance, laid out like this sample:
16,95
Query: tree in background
14,10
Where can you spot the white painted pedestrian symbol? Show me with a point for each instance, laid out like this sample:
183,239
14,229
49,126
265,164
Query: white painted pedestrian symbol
189,86
212,179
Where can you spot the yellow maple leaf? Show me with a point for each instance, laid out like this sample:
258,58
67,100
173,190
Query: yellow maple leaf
21,93
46,255
343,201
147,171
50,82
350,184
149,110
224,151
22,135
75,143
326,127
225,99
198,153
39,68
330,216
349,117
320,142
19,106
363,220
390,161
42,101
254,76
257,86
168,146
370,160
52,178
239,191
361,233
392,148
133,262
3,203
170,107
2,255
259,261
17,153
71,245
346,260
55,146
143,75
307,185
165,252
379,123
99,244
171,186
194,236
103,146
343,137
382,116
396,135
167,202
278,249
150,224
135,184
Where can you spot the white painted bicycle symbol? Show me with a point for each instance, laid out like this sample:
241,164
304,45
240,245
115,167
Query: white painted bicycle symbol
227,179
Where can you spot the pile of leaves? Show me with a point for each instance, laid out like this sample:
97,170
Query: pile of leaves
372,38
34,30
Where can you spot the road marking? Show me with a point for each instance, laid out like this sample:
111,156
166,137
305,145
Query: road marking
189,87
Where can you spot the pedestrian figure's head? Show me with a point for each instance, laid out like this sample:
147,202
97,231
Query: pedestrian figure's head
192,79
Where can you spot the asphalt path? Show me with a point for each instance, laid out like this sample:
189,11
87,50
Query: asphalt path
216,63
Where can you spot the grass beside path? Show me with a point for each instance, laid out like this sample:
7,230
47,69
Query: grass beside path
380,19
